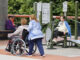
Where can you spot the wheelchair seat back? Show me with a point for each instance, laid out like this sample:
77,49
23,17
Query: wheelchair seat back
25,34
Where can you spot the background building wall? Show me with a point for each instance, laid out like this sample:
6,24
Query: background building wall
3,13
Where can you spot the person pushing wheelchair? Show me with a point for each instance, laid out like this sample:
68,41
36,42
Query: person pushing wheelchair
35,35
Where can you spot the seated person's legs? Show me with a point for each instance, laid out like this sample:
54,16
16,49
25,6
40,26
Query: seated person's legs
56,34
8,48
60,34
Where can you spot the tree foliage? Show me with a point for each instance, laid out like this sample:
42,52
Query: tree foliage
20,6
26,6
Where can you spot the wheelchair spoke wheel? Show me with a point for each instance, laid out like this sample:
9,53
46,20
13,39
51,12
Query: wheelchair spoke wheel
18,47
34,49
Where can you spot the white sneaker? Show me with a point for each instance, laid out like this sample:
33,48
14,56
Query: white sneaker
55,41
43,55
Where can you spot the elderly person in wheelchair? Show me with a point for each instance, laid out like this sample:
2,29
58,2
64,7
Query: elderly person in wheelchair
17,35
62,29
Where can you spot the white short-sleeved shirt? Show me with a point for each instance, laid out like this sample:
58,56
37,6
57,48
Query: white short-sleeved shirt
61,27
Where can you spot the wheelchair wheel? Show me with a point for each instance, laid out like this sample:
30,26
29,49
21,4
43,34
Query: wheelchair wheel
18,47
34,48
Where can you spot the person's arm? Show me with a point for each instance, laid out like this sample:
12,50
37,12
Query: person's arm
16,32
68,28
57,26
30,26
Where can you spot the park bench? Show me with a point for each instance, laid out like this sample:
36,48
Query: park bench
4,34
69,43
74,42
63,41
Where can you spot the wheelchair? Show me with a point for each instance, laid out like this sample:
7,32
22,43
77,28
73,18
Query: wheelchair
20,46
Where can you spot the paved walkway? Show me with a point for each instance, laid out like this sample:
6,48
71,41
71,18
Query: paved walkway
7,57
51,54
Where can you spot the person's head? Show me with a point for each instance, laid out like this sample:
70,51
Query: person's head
62,18
11,17
23,21
33,17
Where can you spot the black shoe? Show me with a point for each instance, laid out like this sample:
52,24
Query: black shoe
8,50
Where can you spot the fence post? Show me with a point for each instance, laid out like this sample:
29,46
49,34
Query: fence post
51,44
35,8
76,18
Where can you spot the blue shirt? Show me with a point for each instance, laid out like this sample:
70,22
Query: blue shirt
68,27
34,30
9,25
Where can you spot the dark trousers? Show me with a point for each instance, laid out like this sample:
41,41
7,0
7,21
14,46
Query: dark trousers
38,42
57,33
